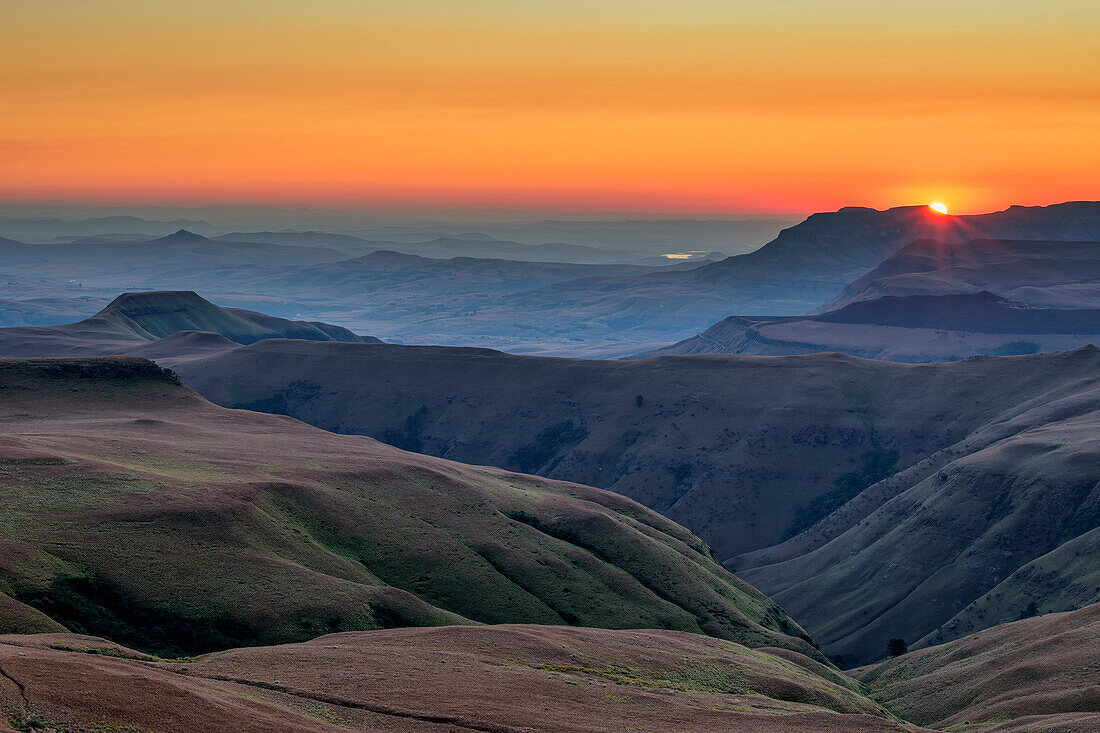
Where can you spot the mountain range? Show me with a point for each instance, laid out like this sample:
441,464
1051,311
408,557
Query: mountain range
569,527
558,309
140,512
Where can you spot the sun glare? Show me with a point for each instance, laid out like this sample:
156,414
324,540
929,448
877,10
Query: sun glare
938,208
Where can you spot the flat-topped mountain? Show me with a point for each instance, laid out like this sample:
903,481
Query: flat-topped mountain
138,511
159,314
915,328
1050,273
134,319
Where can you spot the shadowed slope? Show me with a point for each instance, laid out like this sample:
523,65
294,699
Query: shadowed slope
1056,274
503,679
962,540
946,479
1035,675
136,510
916,328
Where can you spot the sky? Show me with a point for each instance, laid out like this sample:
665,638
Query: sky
695,106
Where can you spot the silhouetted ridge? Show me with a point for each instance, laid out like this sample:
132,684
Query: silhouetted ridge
181,236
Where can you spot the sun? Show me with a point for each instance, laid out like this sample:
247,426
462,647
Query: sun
938,208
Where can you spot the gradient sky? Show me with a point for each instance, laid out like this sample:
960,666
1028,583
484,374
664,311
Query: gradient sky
702,106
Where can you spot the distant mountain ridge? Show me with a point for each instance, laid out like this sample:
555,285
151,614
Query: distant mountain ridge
434,246
805,266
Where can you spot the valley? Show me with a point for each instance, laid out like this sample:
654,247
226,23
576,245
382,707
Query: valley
872,494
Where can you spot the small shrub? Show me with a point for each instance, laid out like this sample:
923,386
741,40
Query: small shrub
896,647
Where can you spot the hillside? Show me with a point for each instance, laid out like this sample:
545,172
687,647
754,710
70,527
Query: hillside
500,678
1053,274
132,320
751,451
998,523
1039,674
915,328
135,510
803,472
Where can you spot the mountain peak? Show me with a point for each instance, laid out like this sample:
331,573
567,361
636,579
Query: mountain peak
181,236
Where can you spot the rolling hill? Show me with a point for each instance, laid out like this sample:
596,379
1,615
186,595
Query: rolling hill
807,473
1033,675
1004,520
914,328
135,510
502,679
948,475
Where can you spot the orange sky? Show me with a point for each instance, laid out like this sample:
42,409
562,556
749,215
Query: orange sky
668,105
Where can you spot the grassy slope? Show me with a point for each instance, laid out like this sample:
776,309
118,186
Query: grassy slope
950,547
502,678
1040,674
131,508
743,449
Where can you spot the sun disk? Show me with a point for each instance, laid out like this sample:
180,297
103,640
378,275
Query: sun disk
938,208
